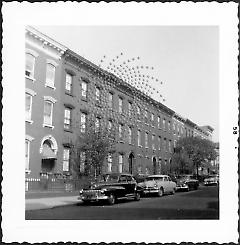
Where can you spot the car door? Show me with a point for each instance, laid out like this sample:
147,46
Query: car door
123,182
167,186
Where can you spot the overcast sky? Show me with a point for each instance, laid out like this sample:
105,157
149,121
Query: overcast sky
185,59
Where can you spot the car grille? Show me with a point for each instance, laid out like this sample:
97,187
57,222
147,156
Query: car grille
91,193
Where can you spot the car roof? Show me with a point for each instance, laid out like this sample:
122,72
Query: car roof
118,174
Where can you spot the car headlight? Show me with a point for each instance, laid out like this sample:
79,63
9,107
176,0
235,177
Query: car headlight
103,190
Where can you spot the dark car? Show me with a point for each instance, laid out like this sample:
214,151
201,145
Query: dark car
111,187
187,183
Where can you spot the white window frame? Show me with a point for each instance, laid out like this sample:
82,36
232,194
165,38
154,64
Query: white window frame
110,100
159,122
129,109
98,94
82,161
146,139
159,142
138,110
97,123
50,83
120,131
110,124
66,160
169,126
52,101
129,135
66,125
153,142
120,163
28,140
164,124
34,54
67,83
83,120
139,138
109,161
28,116
169,146
120,105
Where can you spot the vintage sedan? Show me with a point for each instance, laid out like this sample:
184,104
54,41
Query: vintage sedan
187,183
211,180
158,184
110,188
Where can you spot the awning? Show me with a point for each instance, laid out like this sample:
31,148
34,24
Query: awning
47,153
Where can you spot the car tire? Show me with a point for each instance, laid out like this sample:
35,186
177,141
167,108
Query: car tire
160,192
111,199
137,196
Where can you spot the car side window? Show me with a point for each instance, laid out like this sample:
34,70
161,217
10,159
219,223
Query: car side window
165,178
129,178
122,178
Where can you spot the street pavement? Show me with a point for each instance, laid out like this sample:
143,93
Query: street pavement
199,204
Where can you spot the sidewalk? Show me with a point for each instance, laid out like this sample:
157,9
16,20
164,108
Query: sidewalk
45,200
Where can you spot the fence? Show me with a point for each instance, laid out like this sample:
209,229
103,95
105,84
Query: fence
48,183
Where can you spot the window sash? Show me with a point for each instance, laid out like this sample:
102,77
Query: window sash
139,138
146,140
48,110
110,100
68,85
109,162
67,118
50,74
97,94
129,135
84,89
28,106
153,142
120,130
82,161
83,122
120,163
66,158
30,62
120,105
27,151
159,143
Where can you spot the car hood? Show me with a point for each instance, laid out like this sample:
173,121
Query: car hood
147,183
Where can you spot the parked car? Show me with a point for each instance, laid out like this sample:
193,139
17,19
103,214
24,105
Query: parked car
211,180
111,187
157,184
187,183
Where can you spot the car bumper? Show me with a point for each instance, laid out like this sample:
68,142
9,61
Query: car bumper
93,198
183,188
150,191
210,183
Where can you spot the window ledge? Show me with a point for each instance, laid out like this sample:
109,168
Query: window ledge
48,126
27,171
121,141
146,147
29,121
30,78
69,93
68,130
50,86
140,146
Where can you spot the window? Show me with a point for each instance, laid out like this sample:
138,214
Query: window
120,163
129,135
50,75
97,94
110,124
97,123
164,124
48,111
83,119
67,118
139,137
174,128
178,129
146,114
27,150
152,117
159,122
29,68
146,140
138,110
153,142
129,108
66,153
120,131
181,130
110,100
82,161
159,143
28,106
109,167
120,105
69,81
169,146
174,143
165,145
169,125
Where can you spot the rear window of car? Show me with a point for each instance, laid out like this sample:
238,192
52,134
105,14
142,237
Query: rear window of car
155,178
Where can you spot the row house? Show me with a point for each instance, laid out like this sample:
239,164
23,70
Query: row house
65,93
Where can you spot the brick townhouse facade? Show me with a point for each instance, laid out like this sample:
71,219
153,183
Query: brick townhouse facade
64,91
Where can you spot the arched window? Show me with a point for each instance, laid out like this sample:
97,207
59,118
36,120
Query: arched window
30,63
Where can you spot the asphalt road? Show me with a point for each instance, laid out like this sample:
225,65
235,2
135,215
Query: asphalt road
200,204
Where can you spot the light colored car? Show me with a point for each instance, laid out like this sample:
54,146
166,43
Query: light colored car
158,184
211,180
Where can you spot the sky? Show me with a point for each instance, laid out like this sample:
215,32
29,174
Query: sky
185,60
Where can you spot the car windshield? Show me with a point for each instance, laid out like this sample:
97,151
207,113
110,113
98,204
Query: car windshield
154,178
109,178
